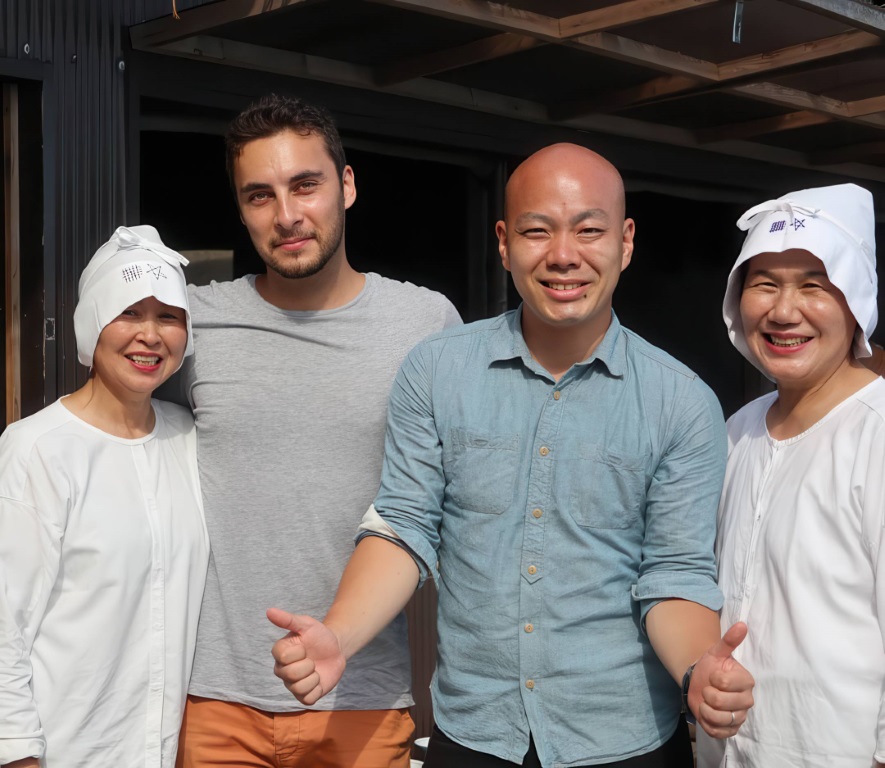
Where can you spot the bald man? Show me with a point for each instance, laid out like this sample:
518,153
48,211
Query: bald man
558,478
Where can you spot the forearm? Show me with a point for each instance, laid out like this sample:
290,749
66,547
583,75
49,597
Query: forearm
376,585
680,633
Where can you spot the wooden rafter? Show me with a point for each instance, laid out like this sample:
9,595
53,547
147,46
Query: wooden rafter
488,48
644,54
766,125
518,30
487,14
203,19
598,20
669,86
868,106
783,96
622,14
794,55
621,98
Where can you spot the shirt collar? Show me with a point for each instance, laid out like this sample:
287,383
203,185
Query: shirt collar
507,343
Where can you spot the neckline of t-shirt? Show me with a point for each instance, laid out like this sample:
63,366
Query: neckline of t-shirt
115,438
309,314
820,422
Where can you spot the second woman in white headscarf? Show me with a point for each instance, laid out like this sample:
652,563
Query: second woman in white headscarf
800,548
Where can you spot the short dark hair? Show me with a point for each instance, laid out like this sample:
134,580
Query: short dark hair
274,114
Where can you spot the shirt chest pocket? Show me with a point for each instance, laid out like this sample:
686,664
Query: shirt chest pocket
601,488
481,470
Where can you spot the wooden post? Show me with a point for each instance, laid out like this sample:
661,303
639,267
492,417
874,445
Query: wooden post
12,252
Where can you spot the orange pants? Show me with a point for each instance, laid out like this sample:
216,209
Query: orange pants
223,733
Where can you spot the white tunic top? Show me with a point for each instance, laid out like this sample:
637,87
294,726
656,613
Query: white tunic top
800,552
103,554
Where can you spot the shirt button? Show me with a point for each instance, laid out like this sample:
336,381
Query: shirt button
536,513
557,394
532,570
529,627
544,450
530,684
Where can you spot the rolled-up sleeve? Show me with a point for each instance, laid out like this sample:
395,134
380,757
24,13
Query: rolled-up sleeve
683,496
412,480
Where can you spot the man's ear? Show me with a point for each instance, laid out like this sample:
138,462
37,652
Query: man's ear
627,243
501,232
348,186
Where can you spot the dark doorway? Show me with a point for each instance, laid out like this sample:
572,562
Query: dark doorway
411,219
21,225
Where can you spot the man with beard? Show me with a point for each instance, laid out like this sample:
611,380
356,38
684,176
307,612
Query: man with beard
289,387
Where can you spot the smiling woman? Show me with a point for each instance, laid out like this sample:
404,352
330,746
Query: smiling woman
803,504
103,547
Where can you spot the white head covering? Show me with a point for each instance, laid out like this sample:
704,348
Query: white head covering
131,266
837,225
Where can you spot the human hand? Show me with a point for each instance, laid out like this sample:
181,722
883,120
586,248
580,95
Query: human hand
309,660
720,693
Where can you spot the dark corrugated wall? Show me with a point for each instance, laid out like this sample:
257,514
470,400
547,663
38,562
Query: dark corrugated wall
76,47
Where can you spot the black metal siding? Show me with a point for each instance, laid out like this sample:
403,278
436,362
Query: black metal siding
76,48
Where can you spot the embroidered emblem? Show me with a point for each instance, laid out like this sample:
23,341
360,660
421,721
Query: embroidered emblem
778,226
798,224
131,273
157,272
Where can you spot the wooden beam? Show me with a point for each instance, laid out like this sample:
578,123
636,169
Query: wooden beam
487,14
853,153
866,106
624,49
858,15
488,48
669,86
793,55
611,101
790,97
765,125
203,19
248,56
623,13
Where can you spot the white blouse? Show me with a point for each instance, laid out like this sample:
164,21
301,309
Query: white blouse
800,548
103,556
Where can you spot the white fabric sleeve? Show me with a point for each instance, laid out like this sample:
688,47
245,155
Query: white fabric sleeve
873,528
30,551
372,522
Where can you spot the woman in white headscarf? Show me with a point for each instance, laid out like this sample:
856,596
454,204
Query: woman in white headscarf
800,525
103,547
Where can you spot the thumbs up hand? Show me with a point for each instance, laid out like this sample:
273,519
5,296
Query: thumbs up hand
720,693
308,660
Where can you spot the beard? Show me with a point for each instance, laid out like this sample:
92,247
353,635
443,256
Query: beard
295,267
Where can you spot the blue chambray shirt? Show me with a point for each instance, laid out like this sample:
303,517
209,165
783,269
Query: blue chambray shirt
553,516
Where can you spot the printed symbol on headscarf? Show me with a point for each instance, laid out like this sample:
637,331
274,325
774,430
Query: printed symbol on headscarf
131,273
778,226
157,272
798,224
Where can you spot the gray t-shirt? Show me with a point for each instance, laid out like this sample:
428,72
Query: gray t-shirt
290,409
